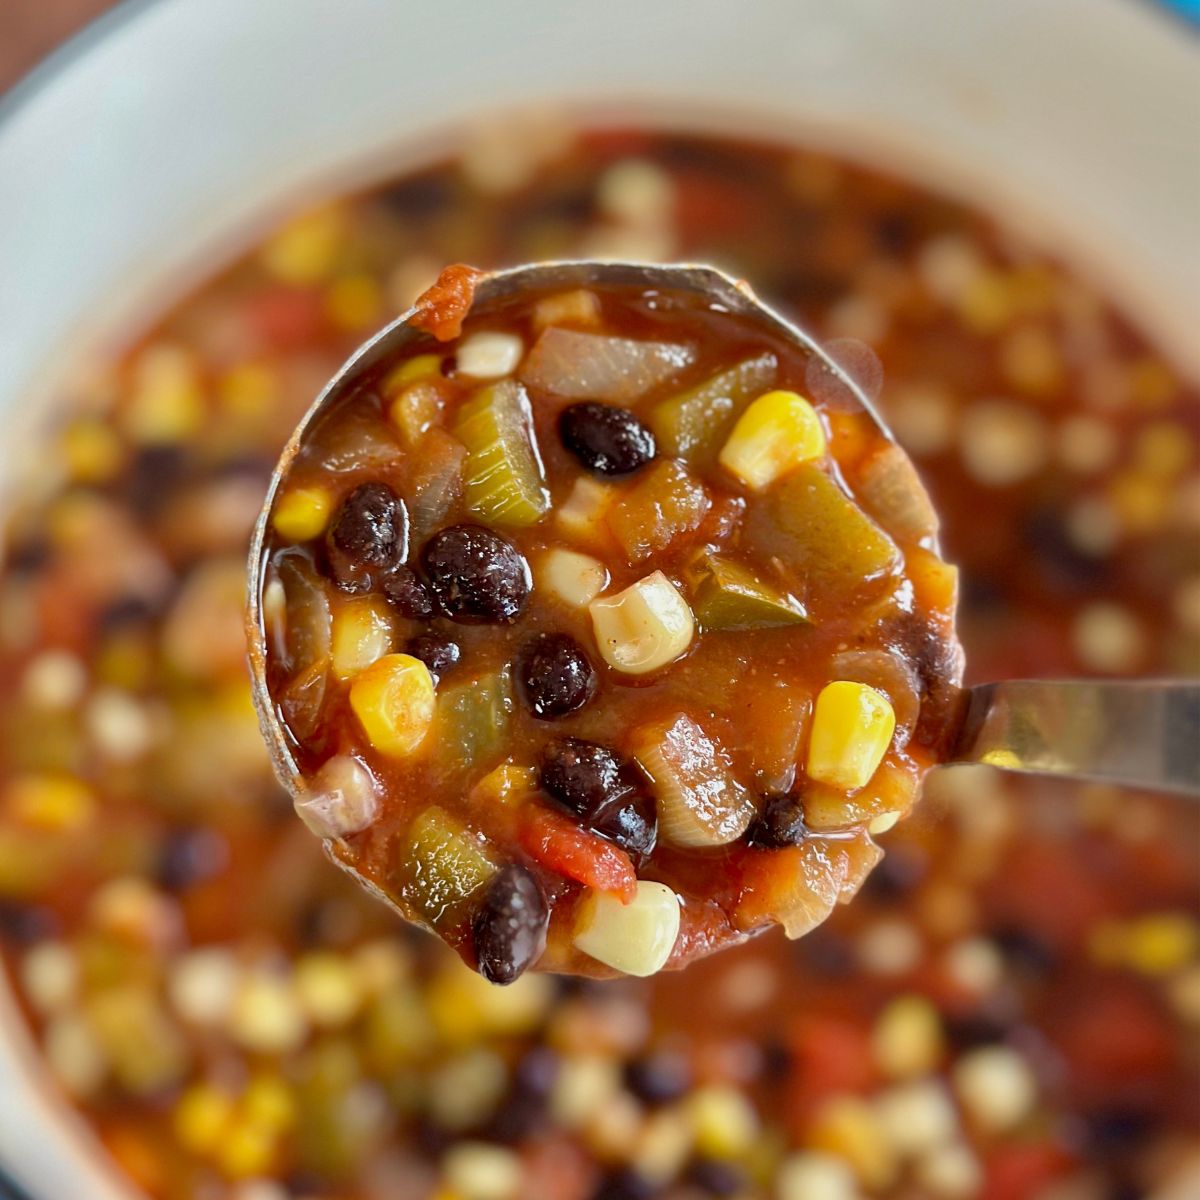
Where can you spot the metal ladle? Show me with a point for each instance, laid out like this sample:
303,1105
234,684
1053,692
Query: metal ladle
1139,733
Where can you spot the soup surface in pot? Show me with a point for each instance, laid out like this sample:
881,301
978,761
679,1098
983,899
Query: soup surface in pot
1009,1008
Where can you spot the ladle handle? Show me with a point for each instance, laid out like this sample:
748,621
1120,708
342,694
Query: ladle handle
1140,733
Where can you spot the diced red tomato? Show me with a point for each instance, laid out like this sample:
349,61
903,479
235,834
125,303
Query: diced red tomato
1017,1172
562,846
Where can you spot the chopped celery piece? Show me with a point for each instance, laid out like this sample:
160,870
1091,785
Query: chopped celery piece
665,503
473,718
694,424
505,483
816,529
731,596
440,865
591,366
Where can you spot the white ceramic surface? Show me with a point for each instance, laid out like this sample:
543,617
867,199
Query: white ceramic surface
177,130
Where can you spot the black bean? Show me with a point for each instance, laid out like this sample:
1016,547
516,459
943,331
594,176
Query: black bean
476,575
625,1184
1024,950
556,675
25,924
715,1177
780,823
607,440
659,1078
510,927
439,654
191,856
581,775
631,822
407,594
368,536
901,869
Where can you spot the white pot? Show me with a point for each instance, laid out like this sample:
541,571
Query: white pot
170,131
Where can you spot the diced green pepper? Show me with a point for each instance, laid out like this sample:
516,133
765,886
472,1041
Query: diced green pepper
505,483
439,866
473,718
729,595
808,522
694,424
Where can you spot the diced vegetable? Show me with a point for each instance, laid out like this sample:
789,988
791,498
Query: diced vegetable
505,483
808,522
779,713
643,627
307,619
777,432
394,702
892,492
635,938
579,307
695,424
363,632
357,441
852,728
891,790
561,845
665,503
440,866
590,366
581,515
488,354
302,513
473,718
575,579
887,673
699,801
729,595
798,886
341,799
437,481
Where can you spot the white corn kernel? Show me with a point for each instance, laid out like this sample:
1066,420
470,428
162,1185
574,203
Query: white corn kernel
341,800
489,354
579,307
814,1175
996,1087
477,1171
581,515
780,430
363,633
644,627
575,579
635,938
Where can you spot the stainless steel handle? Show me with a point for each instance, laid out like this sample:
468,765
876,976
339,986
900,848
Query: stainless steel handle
1142,733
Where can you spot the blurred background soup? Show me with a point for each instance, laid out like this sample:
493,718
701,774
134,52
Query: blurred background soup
1009,1010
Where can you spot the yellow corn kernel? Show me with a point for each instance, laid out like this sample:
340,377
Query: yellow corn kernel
644,627
246,1150
362,634
268,1103
635,938
302,513
248,391
305,249
575,579
848,1127
416,408
202,1117
723,1122
778,431
91,451
166,399
421,366
393,700
53,803
852,727
353,302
